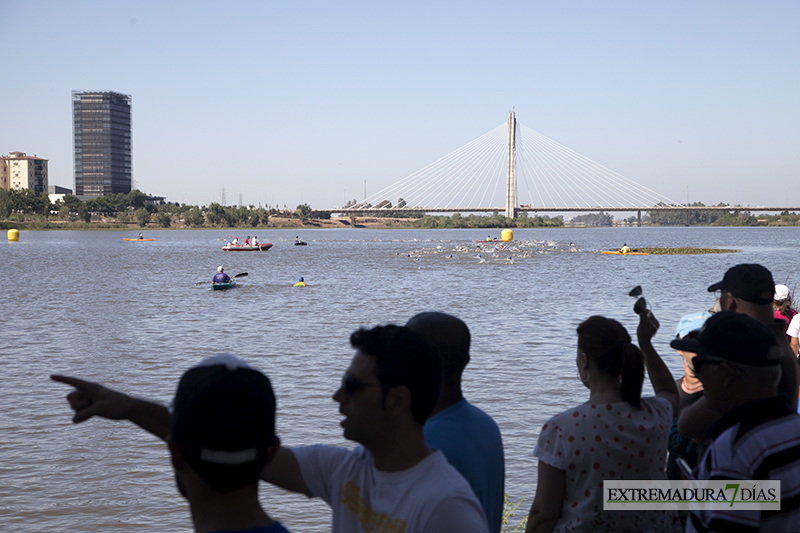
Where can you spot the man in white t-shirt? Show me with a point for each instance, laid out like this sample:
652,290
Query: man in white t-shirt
393,482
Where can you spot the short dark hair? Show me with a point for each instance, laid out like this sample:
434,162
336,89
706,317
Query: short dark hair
403,357
448,334
223,421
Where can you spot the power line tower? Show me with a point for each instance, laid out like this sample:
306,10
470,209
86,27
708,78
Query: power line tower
223,197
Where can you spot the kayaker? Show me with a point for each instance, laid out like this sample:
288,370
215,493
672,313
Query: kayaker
300,283
141,236
625,249
297,240
221,276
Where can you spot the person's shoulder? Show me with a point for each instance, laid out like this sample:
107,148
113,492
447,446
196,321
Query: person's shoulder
326,451
660,406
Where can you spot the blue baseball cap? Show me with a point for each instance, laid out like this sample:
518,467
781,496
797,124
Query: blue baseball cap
690,323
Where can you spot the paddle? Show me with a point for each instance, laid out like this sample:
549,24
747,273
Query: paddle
241,275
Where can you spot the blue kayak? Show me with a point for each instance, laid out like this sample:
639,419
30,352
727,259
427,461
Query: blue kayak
223,286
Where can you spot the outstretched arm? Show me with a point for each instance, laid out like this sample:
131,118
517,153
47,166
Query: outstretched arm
92,399
660,376
284,471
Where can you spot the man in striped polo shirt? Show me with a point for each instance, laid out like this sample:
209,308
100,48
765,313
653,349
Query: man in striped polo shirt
758,436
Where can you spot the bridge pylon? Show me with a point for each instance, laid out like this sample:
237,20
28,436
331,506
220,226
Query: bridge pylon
511,176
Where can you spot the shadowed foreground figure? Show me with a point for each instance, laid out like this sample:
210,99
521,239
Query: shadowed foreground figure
221,435
758,436
467,436
616,434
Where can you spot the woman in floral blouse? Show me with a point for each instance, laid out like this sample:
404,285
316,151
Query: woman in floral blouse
616,434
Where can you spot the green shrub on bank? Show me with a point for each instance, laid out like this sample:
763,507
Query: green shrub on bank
686,251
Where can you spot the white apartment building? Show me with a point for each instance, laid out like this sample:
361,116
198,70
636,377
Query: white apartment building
20,171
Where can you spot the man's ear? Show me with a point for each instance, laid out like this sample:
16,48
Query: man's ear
273,449
398,400
730,375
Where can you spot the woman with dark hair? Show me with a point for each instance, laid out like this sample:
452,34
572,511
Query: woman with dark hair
616,434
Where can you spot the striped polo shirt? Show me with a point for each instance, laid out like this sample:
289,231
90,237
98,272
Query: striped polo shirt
758,440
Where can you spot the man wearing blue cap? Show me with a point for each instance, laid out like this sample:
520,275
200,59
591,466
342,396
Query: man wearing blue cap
690,389
758,436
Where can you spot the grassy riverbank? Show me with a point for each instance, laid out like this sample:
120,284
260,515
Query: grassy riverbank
686,251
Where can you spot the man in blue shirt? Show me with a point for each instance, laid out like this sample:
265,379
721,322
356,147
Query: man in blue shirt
467,436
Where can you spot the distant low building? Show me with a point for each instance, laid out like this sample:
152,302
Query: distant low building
56,193
57,189
19,171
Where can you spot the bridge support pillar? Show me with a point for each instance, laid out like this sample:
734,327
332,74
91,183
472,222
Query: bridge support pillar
511,176
639,220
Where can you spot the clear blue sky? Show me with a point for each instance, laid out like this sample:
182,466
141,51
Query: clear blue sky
296,101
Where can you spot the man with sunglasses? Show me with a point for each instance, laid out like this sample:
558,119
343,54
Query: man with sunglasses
393,481
467,436
758,436
746,289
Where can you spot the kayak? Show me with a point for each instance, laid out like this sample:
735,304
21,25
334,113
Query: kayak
300,243
124,239
629,253
249,248
223,286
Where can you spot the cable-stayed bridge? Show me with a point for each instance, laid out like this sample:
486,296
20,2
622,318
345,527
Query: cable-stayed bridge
514,169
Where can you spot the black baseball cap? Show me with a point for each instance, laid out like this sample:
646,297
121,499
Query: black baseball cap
735,337
749,282
223,415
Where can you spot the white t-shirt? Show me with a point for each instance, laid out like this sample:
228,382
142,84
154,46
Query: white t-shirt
794,326
429,497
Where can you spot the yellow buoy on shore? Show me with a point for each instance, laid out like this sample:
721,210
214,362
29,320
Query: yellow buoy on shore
507,235
13,235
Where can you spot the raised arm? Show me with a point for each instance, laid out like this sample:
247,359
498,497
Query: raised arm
660,376
92,399
695,419
284,472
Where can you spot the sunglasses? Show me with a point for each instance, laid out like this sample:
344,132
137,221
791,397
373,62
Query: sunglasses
698,363
352,385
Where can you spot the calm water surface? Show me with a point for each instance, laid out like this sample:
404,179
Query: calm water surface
127,314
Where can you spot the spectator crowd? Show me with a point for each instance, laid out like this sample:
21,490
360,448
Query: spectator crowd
428,460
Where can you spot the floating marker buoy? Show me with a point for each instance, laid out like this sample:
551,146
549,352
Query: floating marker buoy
13,235
507,235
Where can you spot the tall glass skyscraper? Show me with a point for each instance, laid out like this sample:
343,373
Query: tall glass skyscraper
102,142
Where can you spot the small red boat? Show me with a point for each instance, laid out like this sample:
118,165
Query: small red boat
261,247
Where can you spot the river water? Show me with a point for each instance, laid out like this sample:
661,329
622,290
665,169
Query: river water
127,314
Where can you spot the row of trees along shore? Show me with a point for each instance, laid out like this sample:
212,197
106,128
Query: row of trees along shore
135,208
